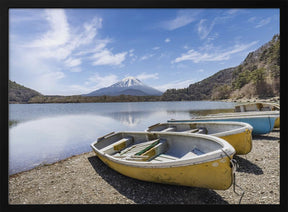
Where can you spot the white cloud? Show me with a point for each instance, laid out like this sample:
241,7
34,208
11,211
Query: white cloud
40,59
99,46
72,62
68,45
259,22
90,31
58,34
204,28
183,18
62,40
79,89
54,75
27,68
131,52
178,22
233,11
167,40
252,19
144,76
217,55
98,81
75,69
263,22
146,56
105,57
175,84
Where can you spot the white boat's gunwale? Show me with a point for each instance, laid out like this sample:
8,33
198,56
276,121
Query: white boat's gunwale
211,156
242,126
244,114
223,117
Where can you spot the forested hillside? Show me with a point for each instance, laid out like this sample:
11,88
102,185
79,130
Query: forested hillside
257,76
19,93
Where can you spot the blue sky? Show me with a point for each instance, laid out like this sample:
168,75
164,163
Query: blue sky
76,51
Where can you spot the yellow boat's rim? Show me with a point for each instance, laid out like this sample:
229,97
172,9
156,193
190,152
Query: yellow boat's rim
242,127
226,149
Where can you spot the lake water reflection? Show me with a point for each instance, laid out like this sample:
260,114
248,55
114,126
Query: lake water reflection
46,133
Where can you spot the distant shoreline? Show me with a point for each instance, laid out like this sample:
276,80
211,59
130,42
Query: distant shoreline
128,98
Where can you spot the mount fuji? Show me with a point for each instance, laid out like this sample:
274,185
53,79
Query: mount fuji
127,86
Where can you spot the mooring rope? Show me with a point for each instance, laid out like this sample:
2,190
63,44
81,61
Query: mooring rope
235,165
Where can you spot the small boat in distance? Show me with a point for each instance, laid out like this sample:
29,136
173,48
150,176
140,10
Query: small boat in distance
238,134
171,158
259,106
262,122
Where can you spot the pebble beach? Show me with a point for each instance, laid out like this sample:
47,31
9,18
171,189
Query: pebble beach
85,179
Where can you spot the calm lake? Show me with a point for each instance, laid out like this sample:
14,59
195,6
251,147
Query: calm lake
45,133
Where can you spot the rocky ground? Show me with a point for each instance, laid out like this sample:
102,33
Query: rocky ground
255,99
84,179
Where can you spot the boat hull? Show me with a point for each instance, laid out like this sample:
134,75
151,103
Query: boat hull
277,123
194,160
196,175
259,106
260,124
238,134
242,142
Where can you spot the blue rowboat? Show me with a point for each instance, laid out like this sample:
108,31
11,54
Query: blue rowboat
262,122
259,106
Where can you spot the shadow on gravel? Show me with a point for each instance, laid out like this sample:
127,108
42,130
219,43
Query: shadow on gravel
247,167
268,137
142,192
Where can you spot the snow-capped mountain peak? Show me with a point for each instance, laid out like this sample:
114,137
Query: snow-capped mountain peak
128,82
127,86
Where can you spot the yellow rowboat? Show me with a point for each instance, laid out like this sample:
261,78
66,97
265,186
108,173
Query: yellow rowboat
277,123
171,158
259,106
238,134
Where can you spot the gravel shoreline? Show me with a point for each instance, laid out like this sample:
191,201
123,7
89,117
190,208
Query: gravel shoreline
84,179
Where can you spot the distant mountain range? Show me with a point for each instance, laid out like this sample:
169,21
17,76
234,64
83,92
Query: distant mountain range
127,86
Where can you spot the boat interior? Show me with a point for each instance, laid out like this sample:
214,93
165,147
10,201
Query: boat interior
198,128
154,147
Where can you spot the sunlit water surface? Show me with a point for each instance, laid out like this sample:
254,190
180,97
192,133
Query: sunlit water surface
45,133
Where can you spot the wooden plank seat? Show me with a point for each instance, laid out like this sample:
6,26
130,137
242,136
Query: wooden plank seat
118,146
169,129
165,158
144,151
200,130
195,152
191,130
